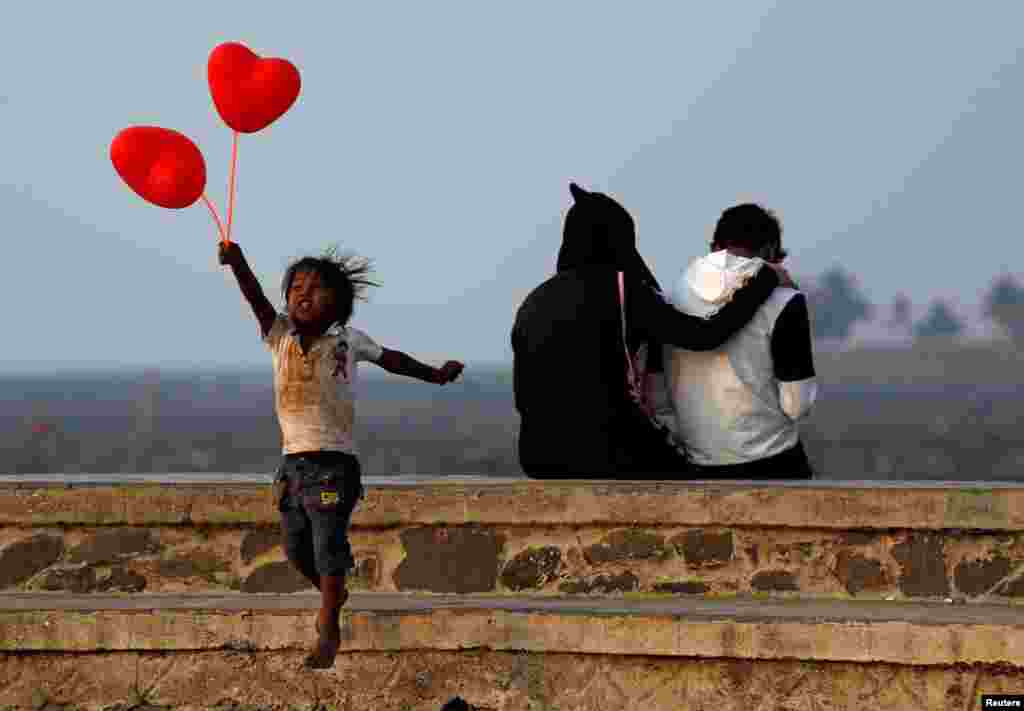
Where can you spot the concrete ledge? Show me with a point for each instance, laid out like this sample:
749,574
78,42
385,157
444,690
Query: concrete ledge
842,631
528,503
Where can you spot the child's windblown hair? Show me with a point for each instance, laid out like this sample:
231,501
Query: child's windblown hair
345,273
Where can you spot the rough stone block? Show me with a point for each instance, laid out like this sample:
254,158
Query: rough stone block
623,582
278,577
109,545
858,573
686,587
705,549
1013,588
259,541
22,559
923,561
119,579
774,581
196,564
977,577
73,580
460,559
627,544
531,568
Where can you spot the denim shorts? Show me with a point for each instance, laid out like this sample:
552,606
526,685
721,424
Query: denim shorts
318,493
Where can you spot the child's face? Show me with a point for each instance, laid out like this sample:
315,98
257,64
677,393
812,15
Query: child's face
310,301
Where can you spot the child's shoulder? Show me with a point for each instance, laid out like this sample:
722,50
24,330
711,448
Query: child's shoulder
355,331
352,336
278,327
361,342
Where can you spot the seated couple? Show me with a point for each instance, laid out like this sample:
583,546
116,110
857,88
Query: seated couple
734,346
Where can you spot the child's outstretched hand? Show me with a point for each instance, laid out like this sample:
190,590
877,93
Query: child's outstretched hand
449,372
230,254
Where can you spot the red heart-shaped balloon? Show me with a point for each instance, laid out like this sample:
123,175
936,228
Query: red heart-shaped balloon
250,93
161,165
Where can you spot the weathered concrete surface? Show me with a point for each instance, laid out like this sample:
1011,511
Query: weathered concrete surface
523,502
496,681
912,633
413,652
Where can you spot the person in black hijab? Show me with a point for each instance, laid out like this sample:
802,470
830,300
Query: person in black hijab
577,419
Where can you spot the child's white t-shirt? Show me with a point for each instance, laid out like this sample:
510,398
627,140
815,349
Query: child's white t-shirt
313,393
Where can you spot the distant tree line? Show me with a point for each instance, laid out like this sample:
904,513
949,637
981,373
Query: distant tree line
836,303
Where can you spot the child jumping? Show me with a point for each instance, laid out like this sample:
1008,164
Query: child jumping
315,353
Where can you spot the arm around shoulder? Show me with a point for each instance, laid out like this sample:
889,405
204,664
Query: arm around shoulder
668,325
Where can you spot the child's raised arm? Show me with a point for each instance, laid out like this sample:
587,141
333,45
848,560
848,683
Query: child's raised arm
399,363
231,254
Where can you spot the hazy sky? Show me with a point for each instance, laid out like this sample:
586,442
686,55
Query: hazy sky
439,139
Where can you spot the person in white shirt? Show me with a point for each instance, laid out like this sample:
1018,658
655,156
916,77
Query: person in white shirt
738,408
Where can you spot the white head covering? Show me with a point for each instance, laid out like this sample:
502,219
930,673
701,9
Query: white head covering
709,282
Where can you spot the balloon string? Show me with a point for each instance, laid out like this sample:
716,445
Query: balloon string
231,184
216,218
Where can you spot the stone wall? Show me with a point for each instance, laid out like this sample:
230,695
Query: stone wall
891,543
836,588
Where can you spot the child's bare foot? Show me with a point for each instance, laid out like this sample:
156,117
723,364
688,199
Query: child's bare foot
322,657
326,649
327,645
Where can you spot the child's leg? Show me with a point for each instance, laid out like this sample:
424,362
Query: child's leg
298,545
334,559
329,500
333,596
297,531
